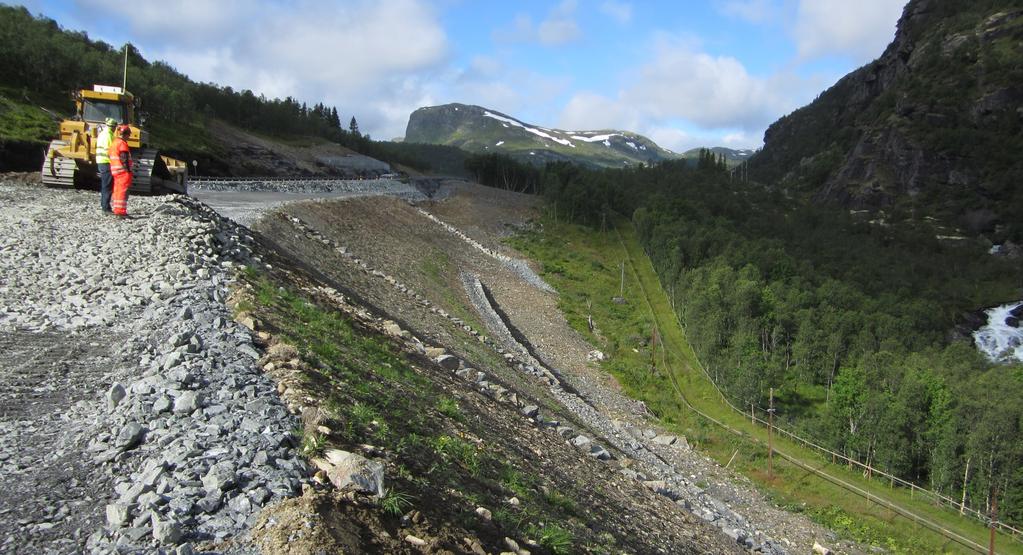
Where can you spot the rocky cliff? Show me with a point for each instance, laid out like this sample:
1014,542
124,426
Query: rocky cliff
932,127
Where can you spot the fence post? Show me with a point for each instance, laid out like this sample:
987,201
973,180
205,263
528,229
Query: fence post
770,438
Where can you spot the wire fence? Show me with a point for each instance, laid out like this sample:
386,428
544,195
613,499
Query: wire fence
869,472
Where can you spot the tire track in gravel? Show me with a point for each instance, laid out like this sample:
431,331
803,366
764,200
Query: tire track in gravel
53,495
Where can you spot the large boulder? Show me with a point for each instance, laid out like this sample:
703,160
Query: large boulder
352,472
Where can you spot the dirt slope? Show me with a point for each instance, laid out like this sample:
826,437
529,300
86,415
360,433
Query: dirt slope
607,511
401,244
249,154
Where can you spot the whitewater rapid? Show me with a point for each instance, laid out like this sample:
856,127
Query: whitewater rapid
998,340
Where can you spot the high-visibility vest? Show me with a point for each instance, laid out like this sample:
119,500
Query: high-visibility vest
116,166
106,136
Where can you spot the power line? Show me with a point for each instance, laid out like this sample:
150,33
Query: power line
954,536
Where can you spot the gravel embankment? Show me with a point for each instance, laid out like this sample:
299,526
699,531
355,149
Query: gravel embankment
360,187
134,416
639,444
245,201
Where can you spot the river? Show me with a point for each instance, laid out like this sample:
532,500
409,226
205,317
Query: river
999,341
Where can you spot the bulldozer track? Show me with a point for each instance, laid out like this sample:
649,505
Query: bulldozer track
58,172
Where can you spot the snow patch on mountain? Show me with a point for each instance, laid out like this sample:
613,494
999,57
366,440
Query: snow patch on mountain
537,132
596,138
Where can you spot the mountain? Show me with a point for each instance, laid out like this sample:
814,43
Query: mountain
478,129
934,127
732,157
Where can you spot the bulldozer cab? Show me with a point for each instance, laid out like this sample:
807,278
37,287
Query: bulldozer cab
97,111
95,106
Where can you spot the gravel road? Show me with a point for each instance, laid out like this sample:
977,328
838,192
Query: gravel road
133,415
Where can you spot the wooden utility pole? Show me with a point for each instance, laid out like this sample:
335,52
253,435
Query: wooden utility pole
966,475
994,519
621,290
654,340
770,438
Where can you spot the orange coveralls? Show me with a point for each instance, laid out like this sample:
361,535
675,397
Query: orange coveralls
120,168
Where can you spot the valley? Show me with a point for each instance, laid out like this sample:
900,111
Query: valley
492,336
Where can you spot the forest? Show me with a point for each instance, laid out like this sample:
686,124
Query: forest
857,323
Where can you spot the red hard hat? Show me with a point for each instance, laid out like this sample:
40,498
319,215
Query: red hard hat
123,129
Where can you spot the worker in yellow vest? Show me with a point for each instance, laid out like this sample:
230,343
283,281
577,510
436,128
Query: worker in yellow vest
106,179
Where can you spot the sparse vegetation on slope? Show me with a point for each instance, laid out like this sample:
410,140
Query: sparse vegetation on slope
458,463
372,394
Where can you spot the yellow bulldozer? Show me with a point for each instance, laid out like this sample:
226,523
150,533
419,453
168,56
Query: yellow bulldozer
70,161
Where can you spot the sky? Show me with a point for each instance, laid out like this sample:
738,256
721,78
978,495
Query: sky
684,73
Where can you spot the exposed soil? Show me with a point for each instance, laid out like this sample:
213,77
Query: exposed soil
394,237
610,512
252,155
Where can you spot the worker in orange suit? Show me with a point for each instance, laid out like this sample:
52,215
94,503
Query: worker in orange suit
120,168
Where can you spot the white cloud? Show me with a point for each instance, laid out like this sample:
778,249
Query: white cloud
753,11
587,111
675,139
559,27
683,97
860,30
374,58
619,11
737,140
710,91
195,22
488,82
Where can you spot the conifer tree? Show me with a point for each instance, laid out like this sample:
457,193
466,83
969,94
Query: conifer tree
354,127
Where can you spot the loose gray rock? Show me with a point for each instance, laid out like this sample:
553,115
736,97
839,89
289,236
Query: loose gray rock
162,404
129,436
187,403
350,471
222,476
118,515
665,440
581,442
448,362
166,531
115,395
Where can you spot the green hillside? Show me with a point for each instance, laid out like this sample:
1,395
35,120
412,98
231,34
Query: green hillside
479,130
42,63
732,156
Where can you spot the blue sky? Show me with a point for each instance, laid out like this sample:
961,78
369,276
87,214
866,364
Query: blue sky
684,73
